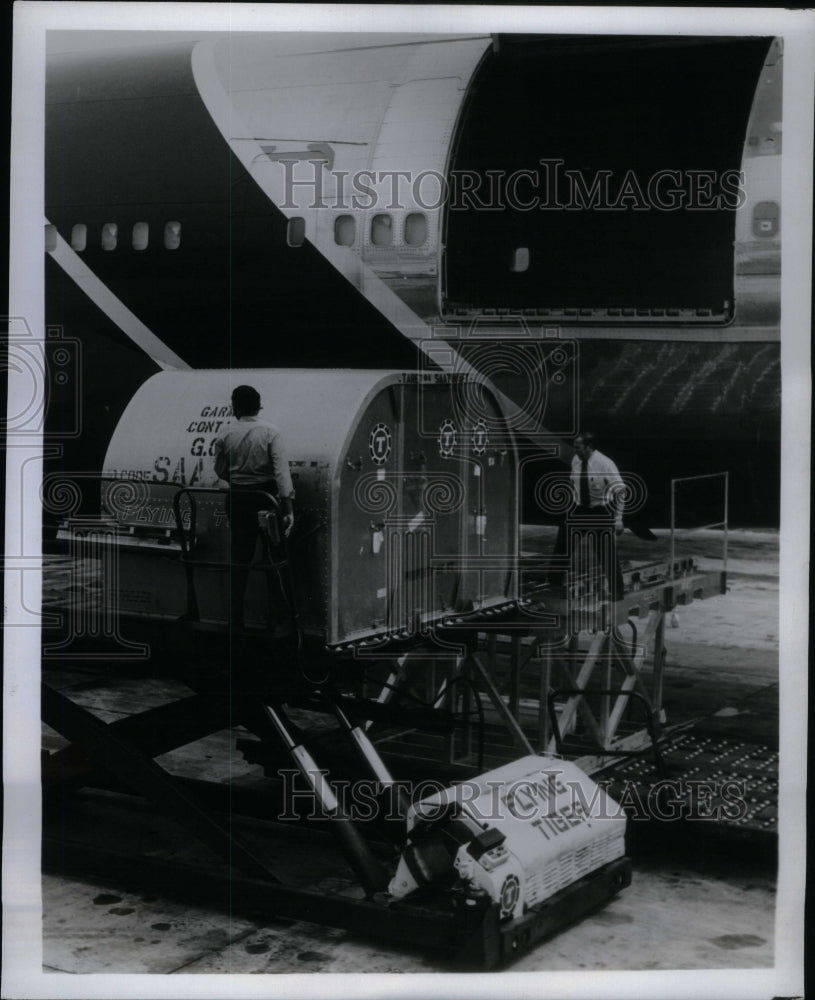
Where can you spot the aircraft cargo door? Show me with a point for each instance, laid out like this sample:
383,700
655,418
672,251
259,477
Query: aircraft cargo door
597,179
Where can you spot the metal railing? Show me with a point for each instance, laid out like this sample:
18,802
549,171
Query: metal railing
699,527
274,543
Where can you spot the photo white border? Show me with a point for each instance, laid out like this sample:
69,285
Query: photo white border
22,941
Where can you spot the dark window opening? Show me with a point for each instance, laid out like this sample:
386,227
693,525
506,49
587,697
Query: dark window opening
110,236
79,237
382,230
345,230
172,236
766,219
296,231
416,229
141,236
520,260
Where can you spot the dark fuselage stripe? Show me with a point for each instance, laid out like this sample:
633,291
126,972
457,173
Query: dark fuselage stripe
116,311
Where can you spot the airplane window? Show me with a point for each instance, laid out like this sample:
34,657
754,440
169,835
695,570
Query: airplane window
766,218
50,238
520,260
172,235
79,236
296,231
110,236
382,230
345,230
141,234
416,229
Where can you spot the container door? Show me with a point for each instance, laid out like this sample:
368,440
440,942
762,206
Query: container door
492,527
433,501
368,496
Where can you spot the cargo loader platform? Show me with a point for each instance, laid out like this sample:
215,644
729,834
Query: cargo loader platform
595,695
112,776
574,646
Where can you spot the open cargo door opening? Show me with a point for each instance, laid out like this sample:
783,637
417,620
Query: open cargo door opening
614,168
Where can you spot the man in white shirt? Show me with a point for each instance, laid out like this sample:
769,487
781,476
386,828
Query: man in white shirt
251,458
599,496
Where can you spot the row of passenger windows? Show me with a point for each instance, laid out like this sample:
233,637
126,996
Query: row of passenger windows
382,230
110,236
382,233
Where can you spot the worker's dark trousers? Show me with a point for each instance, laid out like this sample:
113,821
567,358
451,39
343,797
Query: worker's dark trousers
593,520
243,508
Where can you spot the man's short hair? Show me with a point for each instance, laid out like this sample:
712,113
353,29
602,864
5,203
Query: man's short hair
588,438
246,399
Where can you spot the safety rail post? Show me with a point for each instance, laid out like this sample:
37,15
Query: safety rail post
673,525
545,682
723,524
187,545
726,520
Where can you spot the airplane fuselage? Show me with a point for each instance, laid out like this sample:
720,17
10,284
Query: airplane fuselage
251,201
